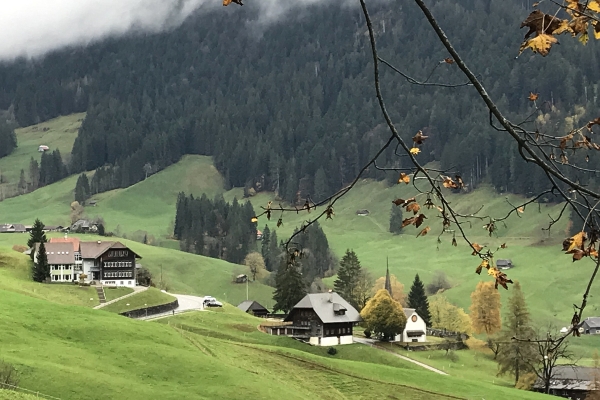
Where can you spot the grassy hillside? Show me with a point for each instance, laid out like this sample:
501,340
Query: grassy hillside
182,273
58,133
79,353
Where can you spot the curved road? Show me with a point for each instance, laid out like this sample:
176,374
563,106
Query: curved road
186,303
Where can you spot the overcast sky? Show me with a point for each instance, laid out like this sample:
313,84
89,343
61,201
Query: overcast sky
34,27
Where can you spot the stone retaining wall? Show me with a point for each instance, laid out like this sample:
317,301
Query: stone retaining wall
147,311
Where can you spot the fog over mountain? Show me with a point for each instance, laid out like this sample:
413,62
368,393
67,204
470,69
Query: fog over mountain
32,28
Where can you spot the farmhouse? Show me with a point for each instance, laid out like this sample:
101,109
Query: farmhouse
590,326
84,225
109,263
254,308
570,382
323,319
12,228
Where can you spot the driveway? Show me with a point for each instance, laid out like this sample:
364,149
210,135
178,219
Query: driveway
373,343
186,303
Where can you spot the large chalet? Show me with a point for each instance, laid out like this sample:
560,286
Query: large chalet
105,262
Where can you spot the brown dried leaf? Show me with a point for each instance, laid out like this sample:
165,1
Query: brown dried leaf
533,96
476,248
419,220
449,183
419,138
484,264
408,221
404,178
414,207
454,242
448,61
424,231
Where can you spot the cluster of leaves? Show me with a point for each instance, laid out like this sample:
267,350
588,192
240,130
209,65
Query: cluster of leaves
487,262
581,16
577,246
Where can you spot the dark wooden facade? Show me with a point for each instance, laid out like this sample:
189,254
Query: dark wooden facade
312,325
117,264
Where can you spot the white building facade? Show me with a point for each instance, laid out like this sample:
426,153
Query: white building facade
415,330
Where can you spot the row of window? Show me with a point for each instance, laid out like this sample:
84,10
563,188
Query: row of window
65,278
118,274
117,264
338,331
60,267
114,283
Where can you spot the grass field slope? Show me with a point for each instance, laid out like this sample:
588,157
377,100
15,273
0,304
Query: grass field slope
58,133
73,352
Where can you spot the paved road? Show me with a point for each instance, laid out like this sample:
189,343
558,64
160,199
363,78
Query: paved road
373,343
186,303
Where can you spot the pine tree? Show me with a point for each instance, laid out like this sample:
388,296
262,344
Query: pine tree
485,309
290,287
22,183
36,235
34,173
515,356
417,299
41,269
82,189
264,247
396,220
348,277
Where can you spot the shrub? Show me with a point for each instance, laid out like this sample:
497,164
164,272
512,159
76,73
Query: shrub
8,375
367,333
332,351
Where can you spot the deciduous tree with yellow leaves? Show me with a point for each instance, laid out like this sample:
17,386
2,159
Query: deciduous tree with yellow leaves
449,317
485,309
383,315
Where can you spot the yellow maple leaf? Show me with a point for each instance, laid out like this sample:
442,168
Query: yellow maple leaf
594,5
574,242
254,219
414,151
584,38
404,178
596,29
539,44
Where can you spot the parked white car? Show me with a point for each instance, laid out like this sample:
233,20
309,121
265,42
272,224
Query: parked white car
210,301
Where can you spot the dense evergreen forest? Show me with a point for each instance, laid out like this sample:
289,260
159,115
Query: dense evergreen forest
289,106
8,140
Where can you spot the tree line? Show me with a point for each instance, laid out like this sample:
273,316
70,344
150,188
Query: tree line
301,123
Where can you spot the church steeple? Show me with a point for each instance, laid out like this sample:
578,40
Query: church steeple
388,282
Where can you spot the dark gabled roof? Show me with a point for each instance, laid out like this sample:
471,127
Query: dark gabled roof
59,253
94,249
251,305
566,377
324,305
12,228
592,322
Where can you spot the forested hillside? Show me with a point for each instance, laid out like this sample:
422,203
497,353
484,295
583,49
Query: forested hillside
289,106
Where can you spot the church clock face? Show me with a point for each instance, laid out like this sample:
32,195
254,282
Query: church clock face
413,318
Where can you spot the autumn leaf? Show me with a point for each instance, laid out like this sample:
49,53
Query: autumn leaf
484,264
592,252
228,2
404,178
414,207
408,221
448,61
400,202
501,278
419,220
577,254
503,246
454,242
574,242
279,222
539,44
254,219
533,96
491,227
521,209
329,212
459,181
449,183
594,5
414,151
476,248
424,231
419,138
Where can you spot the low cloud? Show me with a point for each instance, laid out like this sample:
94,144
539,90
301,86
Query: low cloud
32,28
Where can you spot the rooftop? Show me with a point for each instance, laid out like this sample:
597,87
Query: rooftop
325,304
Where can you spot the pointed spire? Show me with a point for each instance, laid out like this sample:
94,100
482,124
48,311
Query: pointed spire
388,282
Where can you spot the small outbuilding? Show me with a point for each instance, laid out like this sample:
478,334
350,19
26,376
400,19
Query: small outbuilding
504,264
43,148
415,329
591,326
569,382
254,308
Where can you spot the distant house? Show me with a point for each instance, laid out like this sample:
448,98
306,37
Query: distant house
362,213
92,203
504,264
84,225
415,329
254,308
12,228
53,228
108,263
43,148
570,382
323,319
241,278
591,326
259,235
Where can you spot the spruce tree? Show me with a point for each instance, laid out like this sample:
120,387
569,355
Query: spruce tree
41,269
515,356
348,277
290,287
264,247
396,220
417,299
36,235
